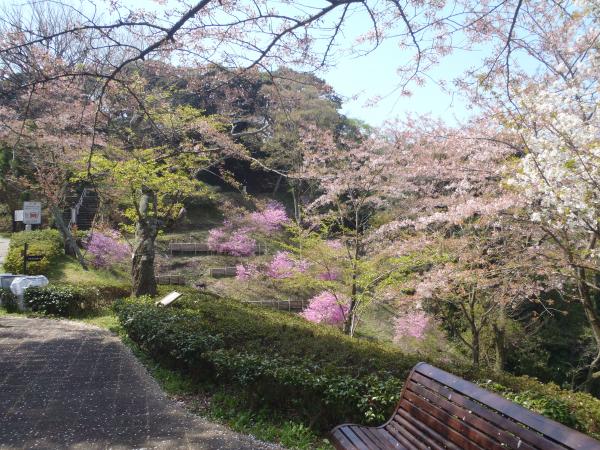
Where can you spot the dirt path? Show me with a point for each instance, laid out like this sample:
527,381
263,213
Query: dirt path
69,385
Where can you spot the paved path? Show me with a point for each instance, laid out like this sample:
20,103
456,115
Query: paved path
69,385
3,248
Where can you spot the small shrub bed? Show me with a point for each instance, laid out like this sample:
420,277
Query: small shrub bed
8,300
47,243
68,300
305,369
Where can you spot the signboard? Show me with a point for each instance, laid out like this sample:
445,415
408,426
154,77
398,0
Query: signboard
32,213
168,299
19,215
34,257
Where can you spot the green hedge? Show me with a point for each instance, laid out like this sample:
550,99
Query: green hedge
312,370
8,300
68,300
47,243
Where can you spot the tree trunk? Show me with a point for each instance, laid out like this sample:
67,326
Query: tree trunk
143,280
500,347
350,317
475,346
594,320
70,241
296,206
349,323
276,188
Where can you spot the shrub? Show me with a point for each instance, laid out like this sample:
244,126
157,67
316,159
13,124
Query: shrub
67,300
269,219
231,242
284,266
8,300
290,364
106,249
47,243
412,324
326,308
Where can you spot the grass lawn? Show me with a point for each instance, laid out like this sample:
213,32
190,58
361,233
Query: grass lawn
67,270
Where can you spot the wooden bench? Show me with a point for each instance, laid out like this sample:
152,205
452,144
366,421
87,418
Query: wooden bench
438,410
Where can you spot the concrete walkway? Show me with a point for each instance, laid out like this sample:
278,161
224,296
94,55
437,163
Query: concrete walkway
3,249
70,385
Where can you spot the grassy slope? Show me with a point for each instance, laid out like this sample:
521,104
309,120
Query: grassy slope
67,270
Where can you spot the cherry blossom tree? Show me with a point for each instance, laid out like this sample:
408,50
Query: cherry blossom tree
326,307
559,178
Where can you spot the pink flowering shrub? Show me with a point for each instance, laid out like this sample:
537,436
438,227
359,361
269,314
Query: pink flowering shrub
325,308
235,243
106,249
412,324
284,266
269,219
246,272
234,238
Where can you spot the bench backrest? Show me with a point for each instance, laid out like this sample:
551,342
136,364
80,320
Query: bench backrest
444,411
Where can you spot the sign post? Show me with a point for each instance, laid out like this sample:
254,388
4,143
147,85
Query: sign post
27,257
32,214
25,246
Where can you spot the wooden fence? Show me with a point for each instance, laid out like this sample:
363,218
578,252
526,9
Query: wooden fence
282,305
170,279
201,248
195,248
221,272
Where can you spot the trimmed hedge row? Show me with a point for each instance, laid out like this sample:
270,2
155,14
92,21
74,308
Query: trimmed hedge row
68,300
47,243
312,370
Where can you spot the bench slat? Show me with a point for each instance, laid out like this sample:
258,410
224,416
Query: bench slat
417,439
535,439
440,411
387,437
467,416
369,436
340,440
431,437
354,438
402,437
466,431
439,426
560,433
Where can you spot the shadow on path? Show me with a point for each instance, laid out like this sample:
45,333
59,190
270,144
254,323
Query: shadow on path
70,385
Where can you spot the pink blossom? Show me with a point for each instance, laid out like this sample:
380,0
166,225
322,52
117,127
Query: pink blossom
271,218
284,266
235,243
413,324
246,272
106,249
325,308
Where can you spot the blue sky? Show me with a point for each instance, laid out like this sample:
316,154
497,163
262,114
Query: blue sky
374,75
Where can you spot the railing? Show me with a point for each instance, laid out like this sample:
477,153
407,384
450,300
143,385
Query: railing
202,248
219,272
282,305
75,209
